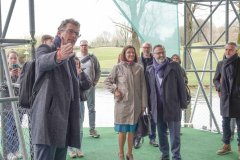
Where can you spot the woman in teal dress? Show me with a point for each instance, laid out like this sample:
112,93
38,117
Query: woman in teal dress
127,82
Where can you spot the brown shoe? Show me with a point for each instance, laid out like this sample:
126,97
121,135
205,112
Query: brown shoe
79,153
224,150
72,154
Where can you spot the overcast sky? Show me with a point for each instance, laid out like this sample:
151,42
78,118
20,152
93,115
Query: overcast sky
95,16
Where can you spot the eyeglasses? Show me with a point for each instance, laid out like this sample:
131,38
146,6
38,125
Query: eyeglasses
83,45
71,31
158,52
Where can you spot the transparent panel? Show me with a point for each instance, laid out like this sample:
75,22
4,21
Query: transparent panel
154,21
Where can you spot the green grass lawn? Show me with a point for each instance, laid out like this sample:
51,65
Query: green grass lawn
195,145
108,58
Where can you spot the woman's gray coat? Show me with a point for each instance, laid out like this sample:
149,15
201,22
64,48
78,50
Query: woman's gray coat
130,80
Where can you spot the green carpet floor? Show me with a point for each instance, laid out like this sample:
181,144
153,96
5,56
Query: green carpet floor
195,145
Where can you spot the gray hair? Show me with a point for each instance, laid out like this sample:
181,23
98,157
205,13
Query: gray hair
66,21
147,43
232,44
161,46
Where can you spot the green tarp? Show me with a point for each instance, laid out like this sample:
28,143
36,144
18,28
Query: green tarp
154,21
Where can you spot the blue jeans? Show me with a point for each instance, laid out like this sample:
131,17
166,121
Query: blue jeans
46,152
90,94
10,129
82,111
227,130
233,125
174,129
152,135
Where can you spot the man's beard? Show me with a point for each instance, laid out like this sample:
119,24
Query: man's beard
160,60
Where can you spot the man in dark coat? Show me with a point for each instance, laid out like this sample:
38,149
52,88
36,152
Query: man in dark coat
230,95
217,84
167,97
55,110
145,60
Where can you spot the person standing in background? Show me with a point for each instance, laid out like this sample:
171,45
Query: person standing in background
91,67
47,39
12,142
145,60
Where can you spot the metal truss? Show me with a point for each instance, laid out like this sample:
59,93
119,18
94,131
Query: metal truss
4,67
211,46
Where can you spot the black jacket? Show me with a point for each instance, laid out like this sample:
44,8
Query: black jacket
175,98
217,76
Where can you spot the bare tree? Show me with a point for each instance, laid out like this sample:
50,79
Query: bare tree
123,33
189,28
103,40
136,8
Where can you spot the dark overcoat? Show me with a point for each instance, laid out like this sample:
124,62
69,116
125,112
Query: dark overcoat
173,89
230,87
55,113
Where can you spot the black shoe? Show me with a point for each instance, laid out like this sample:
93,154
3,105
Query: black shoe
137,143
153,143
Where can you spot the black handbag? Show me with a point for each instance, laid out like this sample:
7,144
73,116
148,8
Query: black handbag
143,126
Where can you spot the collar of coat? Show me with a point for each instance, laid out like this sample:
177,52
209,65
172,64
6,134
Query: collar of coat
171,65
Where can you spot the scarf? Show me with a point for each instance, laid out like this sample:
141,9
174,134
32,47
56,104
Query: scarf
225,75
159,73
159,67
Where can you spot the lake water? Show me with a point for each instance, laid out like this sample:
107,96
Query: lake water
201,119
105,111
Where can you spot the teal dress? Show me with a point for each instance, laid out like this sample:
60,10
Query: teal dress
125,128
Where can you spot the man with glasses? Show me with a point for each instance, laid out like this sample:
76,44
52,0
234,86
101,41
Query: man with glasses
91,67
167,98
55,111
146,59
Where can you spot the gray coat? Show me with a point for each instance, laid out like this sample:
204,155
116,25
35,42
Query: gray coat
217,77
173,89
130,80
55,114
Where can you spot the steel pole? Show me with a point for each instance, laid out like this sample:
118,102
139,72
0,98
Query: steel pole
14,105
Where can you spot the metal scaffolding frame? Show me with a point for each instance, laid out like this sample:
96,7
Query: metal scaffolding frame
4,67
211,46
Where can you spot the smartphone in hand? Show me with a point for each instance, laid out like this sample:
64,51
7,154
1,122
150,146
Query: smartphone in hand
15,66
